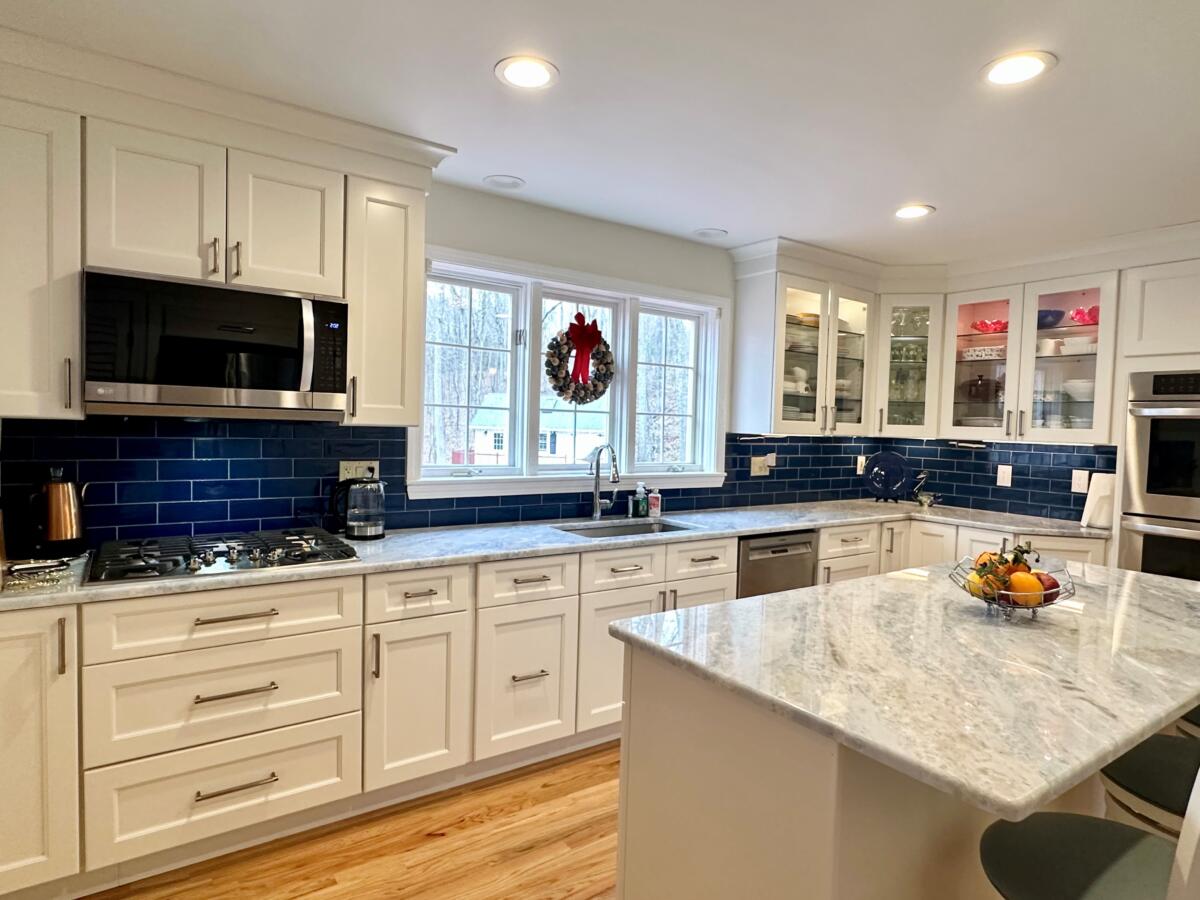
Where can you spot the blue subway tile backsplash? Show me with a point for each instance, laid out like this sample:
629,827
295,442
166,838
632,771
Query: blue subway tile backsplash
163,476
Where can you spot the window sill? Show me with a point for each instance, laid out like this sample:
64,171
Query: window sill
505,486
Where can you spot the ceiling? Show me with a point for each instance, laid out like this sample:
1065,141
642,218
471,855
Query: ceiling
798,118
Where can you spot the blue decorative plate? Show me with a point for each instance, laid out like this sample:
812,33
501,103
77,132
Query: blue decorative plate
887,475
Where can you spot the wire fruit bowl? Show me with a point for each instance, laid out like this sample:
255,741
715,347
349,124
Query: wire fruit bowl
1005,601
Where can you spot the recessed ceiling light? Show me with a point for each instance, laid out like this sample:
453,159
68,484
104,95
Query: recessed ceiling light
526,72
504,182
710,234
1018,67
914,211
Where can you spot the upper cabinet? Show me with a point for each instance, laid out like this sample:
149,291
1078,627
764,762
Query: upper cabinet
1155,302
177,207
1030,362
39,262
851,319
909,355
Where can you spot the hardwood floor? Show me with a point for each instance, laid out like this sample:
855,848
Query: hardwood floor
547,831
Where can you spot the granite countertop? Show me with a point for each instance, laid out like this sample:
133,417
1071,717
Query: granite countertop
909,670
423,547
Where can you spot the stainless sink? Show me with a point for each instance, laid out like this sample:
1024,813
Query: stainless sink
618,529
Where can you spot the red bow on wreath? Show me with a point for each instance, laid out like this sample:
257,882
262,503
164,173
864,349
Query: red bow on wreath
585,338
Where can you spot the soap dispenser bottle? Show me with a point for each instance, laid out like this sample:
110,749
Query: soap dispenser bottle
641,501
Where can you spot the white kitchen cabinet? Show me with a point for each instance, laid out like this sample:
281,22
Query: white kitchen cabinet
39,739
696,559
930,543
601,656
514,580
1156,302
1086,550
847,540
285,224
413,593
417,699
893,547
846,568
525,674
980,368
155,202
603,570
385,289
40,369
910,355
973,541
699,591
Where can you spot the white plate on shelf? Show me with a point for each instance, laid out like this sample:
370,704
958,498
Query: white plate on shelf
981,421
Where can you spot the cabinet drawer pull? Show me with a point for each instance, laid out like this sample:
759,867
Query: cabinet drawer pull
217,620
353,396
540,673
1021,423
700,559
201,796
881,420
621,570
430,592
828,574
377,650
537,579
1008,423
674,599
237,249
216,268
70,385
856,540
891,540
229,695
62,646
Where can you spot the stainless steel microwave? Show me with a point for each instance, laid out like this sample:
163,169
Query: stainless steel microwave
162,347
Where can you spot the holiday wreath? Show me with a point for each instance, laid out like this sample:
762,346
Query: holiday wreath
588,377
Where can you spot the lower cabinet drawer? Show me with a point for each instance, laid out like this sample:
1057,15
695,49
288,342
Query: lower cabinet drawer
696,559
517,580
415,593
848,540
152,804
163,703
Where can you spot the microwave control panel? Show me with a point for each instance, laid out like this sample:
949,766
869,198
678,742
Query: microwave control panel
329,347
1176,384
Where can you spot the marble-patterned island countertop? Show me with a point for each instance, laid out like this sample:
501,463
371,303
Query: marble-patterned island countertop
909,670
424,547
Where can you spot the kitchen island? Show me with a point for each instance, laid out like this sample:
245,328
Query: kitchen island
853,740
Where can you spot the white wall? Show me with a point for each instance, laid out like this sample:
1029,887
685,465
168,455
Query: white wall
481,222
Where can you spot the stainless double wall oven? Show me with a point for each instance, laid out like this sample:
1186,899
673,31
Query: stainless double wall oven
1160,521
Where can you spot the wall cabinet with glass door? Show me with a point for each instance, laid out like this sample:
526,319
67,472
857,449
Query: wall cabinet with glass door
980,369
909,357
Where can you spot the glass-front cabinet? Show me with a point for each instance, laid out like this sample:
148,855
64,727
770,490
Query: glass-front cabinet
908,355
980,369
800,381
848,359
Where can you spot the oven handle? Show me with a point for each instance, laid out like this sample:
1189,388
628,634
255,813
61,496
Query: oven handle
310,345
1157,411
1163,527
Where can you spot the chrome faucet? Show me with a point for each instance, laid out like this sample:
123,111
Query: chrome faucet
614,477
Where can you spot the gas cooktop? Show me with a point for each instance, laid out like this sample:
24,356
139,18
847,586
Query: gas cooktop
214,554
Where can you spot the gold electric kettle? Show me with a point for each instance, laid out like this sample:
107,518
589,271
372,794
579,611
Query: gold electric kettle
63,509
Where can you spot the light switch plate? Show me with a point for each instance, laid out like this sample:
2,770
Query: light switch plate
1004,476
1079,481
358,468
759,466
860,465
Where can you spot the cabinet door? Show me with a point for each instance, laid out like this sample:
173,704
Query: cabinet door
973,541
981,369
848,381
699,591
417,699
801,336
155,202
893,551
385,287
1154,301
1067,352
285,225
847,568
39,265
525,661
931,543
39,737
601,656
906,381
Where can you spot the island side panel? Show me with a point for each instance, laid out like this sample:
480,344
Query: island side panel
720,797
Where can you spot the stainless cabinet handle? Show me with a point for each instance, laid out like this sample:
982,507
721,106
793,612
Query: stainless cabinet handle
216,266
1008,423
824,414
828,574
1004,546
408,595
229,695
540,673
700,559
881,418
353,396
377,652
535,580
237,255
62,646
856,540
217,620
70,385
833,419
201,796
621,570
674,599
662,600
891,540
1021,423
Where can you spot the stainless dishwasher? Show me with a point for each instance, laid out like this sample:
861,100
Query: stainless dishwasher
776,562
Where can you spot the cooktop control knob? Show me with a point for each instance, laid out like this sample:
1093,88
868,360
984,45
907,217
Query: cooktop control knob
275,554
209,557
194,564
233,554
255,554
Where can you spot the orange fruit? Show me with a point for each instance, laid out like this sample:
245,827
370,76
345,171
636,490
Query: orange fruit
1025,589
986,557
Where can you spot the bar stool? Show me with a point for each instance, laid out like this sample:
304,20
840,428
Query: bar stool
1063,856
1149,786
1189,723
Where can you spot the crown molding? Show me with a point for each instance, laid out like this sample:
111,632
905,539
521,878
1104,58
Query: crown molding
798,258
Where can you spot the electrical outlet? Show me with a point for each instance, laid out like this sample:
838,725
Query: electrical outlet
1004,476
358,468
759,466
772,460
860,465
1079,481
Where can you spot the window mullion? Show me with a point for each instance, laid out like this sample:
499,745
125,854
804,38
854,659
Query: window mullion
531,310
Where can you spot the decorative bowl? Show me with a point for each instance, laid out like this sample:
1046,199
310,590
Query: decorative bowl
1048,318
990,326
995,592
1089,315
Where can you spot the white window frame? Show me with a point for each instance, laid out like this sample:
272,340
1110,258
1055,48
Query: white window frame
531,280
